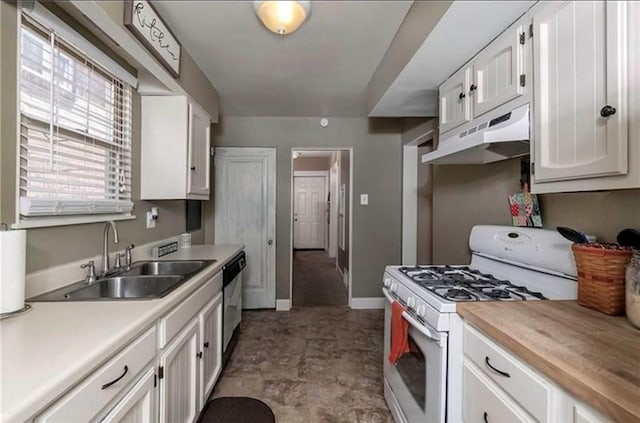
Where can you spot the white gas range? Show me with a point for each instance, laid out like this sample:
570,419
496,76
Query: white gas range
508,264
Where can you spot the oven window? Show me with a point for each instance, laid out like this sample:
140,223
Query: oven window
412,369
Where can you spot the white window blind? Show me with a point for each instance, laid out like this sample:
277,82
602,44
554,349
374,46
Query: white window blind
75,130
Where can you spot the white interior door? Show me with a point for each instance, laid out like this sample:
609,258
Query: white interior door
245,213
333,210
309,212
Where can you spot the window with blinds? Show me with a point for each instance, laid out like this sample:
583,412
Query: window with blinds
75,130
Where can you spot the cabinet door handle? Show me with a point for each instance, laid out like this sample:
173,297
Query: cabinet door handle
473,87
485,416
500,372
199,355
462,95
607,111
106,385
206,344
193,168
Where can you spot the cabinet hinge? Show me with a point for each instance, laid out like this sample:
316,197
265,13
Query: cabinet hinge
530,30
155,381
521,38
523,80
161,372
533,168
213,151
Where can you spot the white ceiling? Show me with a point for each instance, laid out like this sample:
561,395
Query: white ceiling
320,153
321,70
463,31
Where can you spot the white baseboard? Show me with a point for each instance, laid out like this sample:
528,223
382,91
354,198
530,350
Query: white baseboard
367,303
283,305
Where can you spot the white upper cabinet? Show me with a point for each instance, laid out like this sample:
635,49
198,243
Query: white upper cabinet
454,100
175,154
498,71
495,76
580,94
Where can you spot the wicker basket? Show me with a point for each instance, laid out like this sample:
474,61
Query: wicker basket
601,273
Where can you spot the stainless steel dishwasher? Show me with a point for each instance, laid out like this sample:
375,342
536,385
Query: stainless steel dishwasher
232,303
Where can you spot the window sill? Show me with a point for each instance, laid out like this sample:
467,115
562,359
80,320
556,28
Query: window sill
43,222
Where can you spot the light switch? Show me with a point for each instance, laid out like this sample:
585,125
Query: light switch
364,199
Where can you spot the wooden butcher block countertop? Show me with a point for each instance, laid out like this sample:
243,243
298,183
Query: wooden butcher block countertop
593,356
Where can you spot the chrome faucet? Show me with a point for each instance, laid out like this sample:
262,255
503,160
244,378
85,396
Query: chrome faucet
105,244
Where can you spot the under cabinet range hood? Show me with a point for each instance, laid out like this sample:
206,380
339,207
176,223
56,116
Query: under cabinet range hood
493,138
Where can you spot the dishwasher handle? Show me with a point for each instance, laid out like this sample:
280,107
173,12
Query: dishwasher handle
233,268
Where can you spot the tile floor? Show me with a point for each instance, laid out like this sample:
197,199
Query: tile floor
311,365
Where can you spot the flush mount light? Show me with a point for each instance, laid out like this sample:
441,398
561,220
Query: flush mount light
282,17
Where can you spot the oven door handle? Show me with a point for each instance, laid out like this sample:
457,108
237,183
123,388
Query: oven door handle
414,323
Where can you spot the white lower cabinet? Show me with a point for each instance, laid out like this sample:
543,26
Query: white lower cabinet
499,387
164,375
210,322
178,374
139,405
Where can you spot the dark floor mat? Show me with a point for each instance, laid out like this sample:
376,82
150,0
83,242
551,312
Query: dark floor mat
236,410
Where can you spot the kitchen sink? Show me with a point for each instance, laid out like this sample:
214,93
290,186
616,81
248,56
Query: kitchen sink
127,287
154,268
143,280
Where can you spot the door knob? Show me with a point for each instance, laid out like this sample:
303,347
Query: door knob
607,111
270,242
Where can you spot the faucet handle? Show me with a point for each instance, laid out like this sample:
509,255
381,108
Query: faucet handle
118,263
91,272
127,252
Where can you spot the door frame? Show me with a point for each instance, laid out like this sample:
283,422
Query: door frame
333,211
317,174
350,258
410,162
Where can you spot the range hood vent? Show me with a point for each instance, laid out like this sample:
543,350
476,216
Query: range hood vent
493,139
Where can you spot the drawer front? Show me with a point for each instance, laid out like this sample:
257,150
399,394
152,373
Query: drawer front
90,396
527,388
484,402
177,318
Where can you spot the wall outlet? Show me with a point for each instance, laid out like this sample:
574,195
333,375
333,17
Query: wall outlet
151,220
364,199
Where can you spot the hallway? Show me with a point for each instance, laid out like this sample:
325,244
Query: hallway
316,281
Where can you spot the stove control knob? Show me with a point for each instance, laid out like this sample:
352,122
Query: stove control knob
387,282
411,302
421,311
394,287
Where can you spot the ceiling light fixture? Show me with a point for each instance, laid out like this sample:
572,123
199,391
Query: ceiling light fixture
282,17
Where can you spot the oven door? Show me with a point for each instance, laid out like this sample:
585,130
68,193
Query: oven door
419,378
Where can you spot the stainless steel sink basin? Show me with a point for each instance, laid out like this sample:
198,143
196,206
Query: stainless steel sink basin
128,287
181,268
143,280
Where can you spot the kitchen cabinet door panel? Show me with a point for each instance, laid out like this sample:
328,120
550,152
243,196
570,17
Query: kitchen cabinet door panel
199,145
211,342
580,67
454,100
497,72
179,382
139,405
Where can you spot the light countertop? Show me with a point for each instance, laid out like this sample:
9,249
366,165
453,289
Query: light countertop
44,352
593,356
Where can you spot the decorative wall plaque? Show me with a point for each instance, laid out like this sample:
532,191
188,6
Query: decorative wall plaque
146,24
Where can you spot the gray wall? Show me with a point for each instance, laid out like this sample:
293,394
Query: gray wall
469,195
345,169
53,246
312,163
377,170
